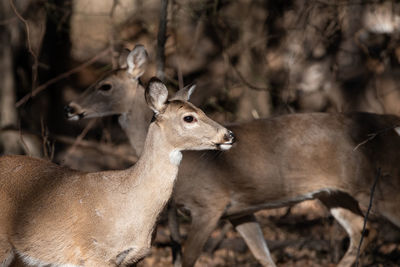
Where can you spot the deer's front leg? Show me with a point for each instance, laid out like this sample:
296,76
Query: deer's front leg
204,221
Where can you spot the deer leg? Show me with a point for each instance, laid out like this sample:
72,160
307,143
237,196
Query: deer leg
250,230
173,226
346,211
353,224
203,223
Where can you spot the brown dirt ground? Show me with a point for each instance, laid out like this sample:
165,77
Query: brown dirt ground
304,236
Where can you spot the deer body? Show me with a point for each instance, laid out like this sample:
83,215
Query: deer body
277,162
51,215
301,157
97,202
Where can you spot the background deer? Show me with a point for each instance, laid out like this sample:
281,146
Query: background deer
51,215
277,162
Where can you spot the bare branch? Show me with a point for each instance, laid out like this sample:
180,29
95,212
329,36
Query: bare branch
244,81
373,135
80,137
26,148
112,35
64,75
100,147
161,39
28,37
7,21
366,214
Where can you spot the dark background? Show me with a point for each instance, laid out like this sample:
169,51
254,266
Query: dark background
250,59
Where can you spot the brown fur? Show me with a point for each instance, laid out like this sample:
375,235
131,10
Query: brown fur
54,215
280,161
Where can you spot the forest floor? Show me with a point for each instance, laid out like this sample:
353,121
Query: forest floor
304,235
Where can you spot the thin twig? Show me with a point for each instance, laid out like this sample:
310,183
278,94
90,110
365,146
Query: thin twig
100,147
373,135
80,137
366,214
241,77
161,39
64,75
370,137
21,138
7,21
112,35
28,37
179,67
44,133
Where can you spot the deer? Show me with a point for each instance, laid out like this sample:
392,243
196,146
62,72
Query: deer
276,162
52,215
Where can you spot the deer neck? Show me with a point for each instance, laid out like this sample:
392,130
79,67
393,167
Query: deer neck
157,168
135,122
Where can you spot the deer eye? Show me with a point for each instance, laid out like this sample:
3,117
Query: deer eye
105,87
189,119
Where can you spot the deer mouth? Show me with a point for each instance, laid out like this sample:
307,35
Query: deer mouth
224,146
71,114
229,139
75,117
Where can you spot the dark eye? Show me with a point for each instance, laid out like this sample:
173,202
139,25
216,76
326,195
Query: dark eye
105,87
188,119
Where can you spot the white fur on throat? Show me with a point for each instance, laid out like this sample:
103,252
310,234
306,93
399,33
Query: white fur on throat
175,157
7,261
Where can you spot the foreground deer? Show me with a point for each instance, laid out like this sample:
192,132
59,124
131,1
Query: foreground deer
51,215
277,162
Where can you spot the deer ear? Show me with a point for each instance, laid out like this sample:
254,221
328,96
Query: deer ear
136,61
184,93
156,95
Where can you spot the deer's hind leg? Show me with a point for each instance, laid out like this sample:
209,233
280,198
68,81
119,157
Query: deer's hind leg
347,213
250,230
353,224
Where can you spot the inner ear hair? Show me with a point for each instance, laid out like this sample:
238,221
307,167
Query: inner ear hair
156,95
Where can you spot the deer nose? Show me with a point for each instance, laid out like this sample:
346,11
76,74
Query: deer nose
230,137
68,110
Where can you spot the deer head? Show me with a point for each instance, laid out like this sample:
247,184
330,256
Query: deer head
114,93
185,126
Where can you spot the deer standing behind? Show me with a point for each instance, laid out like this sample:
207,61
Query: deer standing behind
277,162
52,215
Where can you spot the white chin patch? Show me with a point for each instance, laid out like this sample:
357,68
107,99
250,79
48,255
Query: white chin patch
225,146
175,157
397,129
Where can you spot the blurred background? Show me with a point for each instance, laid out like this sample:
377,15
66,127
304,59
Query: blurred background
250,59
